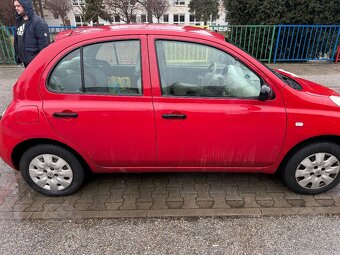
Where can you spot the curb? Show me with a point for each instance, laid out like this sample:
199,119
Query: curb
244,212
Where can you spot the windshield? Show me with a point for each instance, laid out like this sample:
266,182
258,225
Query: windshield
289,81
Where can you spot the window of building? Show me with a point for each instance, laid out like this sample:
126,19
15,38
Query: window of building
192,19
133,18
166,18
55,15
78,20
117,19
179,2
179,18
143,18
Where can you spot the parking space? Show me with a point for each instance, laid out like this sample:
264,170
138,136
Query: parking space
167,194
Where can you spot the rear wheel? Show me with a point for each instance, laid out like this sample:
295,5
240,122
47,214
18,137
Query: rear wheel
51,170
313,169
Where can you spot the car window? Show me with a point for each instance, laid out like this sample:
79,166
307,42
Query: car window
105,71
196,70
66,76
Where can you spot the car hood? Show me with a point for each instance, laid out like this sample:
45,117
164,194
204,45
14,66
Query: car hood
309,86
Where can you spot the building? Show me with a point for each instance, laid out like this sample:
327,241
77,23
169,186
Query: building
178,13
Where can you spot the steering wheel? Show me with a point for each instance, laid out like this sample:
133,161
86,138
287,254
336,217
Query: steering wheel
212,68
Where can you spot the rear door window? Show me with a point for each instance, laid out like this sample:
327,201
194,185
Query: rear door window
103,68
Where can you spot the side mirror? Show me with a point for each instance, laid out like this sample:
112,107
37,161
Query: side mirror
265,93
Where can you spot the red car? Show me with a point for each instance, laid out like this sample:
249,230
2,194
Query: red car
149,98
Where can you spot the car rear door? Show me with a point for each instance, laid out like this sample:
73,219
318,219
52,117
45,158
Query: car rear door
98,99
198,125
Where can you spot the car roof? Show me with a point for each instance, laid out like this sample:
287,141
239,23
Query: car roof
160,29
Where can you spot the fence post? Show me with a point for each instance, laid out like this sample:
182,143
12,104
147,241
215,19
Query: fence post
277,42
271,44
336,45
2,37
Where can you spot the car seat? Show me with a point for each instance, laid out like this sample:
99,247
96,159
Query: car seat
95,80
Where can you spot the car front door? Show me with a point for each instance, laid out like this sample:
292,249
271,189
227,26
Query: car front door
207,108
97,98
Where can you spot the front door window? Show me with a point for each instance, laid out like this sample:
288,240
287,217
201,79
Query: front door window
195,70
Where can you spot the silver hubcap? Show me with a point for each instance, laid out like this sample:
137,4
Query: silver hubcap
50,172
317,171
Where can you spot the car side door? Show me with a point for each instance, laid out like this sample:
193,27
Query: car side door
97,98
207,107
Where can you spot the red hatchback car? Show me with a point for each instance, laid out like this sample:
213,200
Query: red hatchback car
148,98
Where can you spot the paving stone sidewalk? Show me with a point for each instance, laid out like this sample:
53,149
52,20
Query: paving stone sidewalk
171,194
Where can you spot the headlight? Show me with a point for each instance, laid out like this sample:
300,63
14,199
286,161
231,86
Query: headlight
335,99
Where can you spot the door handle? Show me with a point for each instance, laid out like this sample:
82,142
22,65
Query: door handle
175,116
65,115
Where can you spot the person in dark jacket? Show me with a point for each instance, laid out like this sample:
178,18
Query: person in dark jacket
32,34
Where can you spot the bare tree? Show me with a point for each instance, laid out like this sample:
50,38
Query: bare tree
159,7
147,4
41,9
91,10
38,7
60,8
7,13
155,8
125,9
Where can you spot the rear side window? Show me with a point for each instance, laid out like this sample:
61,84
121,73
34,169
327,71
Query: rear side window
66,77
104,68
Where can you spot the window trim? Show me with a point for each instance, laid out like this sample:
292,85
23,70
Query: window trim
82,68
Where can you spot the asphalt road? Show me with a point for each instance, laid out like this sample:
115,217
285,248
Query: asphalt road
318,234
266,235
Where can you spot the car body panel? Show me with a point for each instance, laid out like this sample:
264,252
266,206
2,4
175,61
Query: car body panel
219,134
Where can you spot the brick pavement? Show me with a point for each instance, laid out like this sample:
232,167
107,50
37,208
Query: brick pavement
169,194
164,194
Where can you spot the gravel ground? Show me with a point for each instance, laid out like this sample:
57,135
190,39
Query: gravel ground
266,235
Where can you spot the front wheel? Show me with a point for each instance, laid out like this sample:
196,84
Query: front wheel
313,169
51,170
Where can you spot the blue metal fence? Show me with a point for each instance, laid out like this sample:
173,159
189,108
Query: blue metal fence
257,40
287,42
55,30
6,40
306,42
279,43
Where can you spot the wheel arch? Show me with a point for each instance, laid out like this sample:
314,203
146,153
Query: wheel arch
22,147
292,151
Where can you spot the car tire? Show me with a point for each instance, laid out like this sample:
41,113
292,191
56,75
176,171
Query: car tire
51,170
313,169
